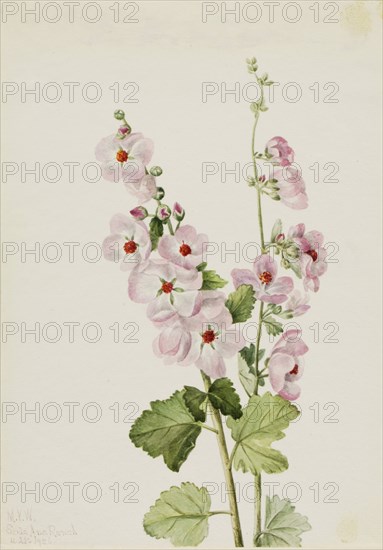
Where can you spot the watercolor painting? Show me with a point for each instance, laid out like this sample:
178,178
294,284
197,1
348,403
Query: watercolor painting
200,324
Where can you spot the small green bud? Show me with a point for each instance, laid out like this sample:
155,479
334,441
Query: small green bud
156,171
160,194
119,114
285,263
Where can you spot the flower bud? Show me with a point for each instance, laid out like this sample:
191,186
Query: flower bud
123,131
119,114
280,238
178,212
156,171
163,212
160,194
139,213
291,250
285,263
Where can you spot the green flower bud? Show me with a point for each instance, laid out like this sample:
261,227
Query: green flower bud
156,171
163,212
119,114
160,194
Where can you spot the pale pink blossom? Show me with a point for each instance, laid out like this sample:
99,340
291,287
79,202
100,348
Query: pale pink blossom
124,159
143,189
291,188
184,248
286,364
129,242
263,278
280,151
206,339
169,291
297,303
313,255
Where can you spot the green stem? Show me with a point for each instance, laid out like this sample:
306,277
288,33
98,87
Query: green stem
257,345
257,477
258,501
169,223
217,421
207,427
219,512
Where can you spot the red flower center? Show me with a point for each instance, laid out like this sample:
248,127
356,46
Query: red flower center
185,249
295,370
208,336
130,247
265,277
167,287
313,254
121,156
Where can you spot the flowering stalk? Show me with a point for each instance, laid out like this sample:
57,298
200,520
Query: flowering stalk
201,325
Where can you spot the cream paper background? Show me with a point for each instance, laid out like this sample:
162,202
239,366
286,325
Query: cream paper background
169,53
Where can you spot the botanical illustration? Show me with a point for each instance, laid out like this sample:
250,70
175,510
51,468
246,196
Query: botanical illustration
201,325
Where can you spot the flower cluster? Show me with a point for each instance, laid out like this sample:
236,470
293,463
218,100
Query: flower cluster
168,272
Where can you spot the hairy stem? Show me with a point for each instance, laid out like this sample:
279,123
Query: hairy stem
217,421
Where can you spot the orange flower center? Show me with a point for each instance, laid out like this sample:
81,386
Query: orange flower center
208,336
313,254
130,247
167,287
265,277
185,249
295,370
121,156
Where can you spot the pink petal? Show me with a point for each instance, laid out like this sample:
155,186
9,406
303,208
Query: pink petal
279,365
290,391
211,362
243,277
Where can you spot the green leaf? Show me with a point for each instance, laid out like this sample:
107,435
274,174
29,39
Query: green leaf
283,526
277,230
262,423
261,353
272,326
240,303
168,429
180,515
211,280
202,266
223,396
246,375
248,354
156,230
196,401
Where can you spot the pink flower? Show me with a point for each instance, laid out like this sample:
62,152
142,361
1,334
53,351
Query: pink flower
168,290
263,278
286,364
144,189
291,188
313,255
184,248
205,339
280,151
297,303
124,159
129,242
